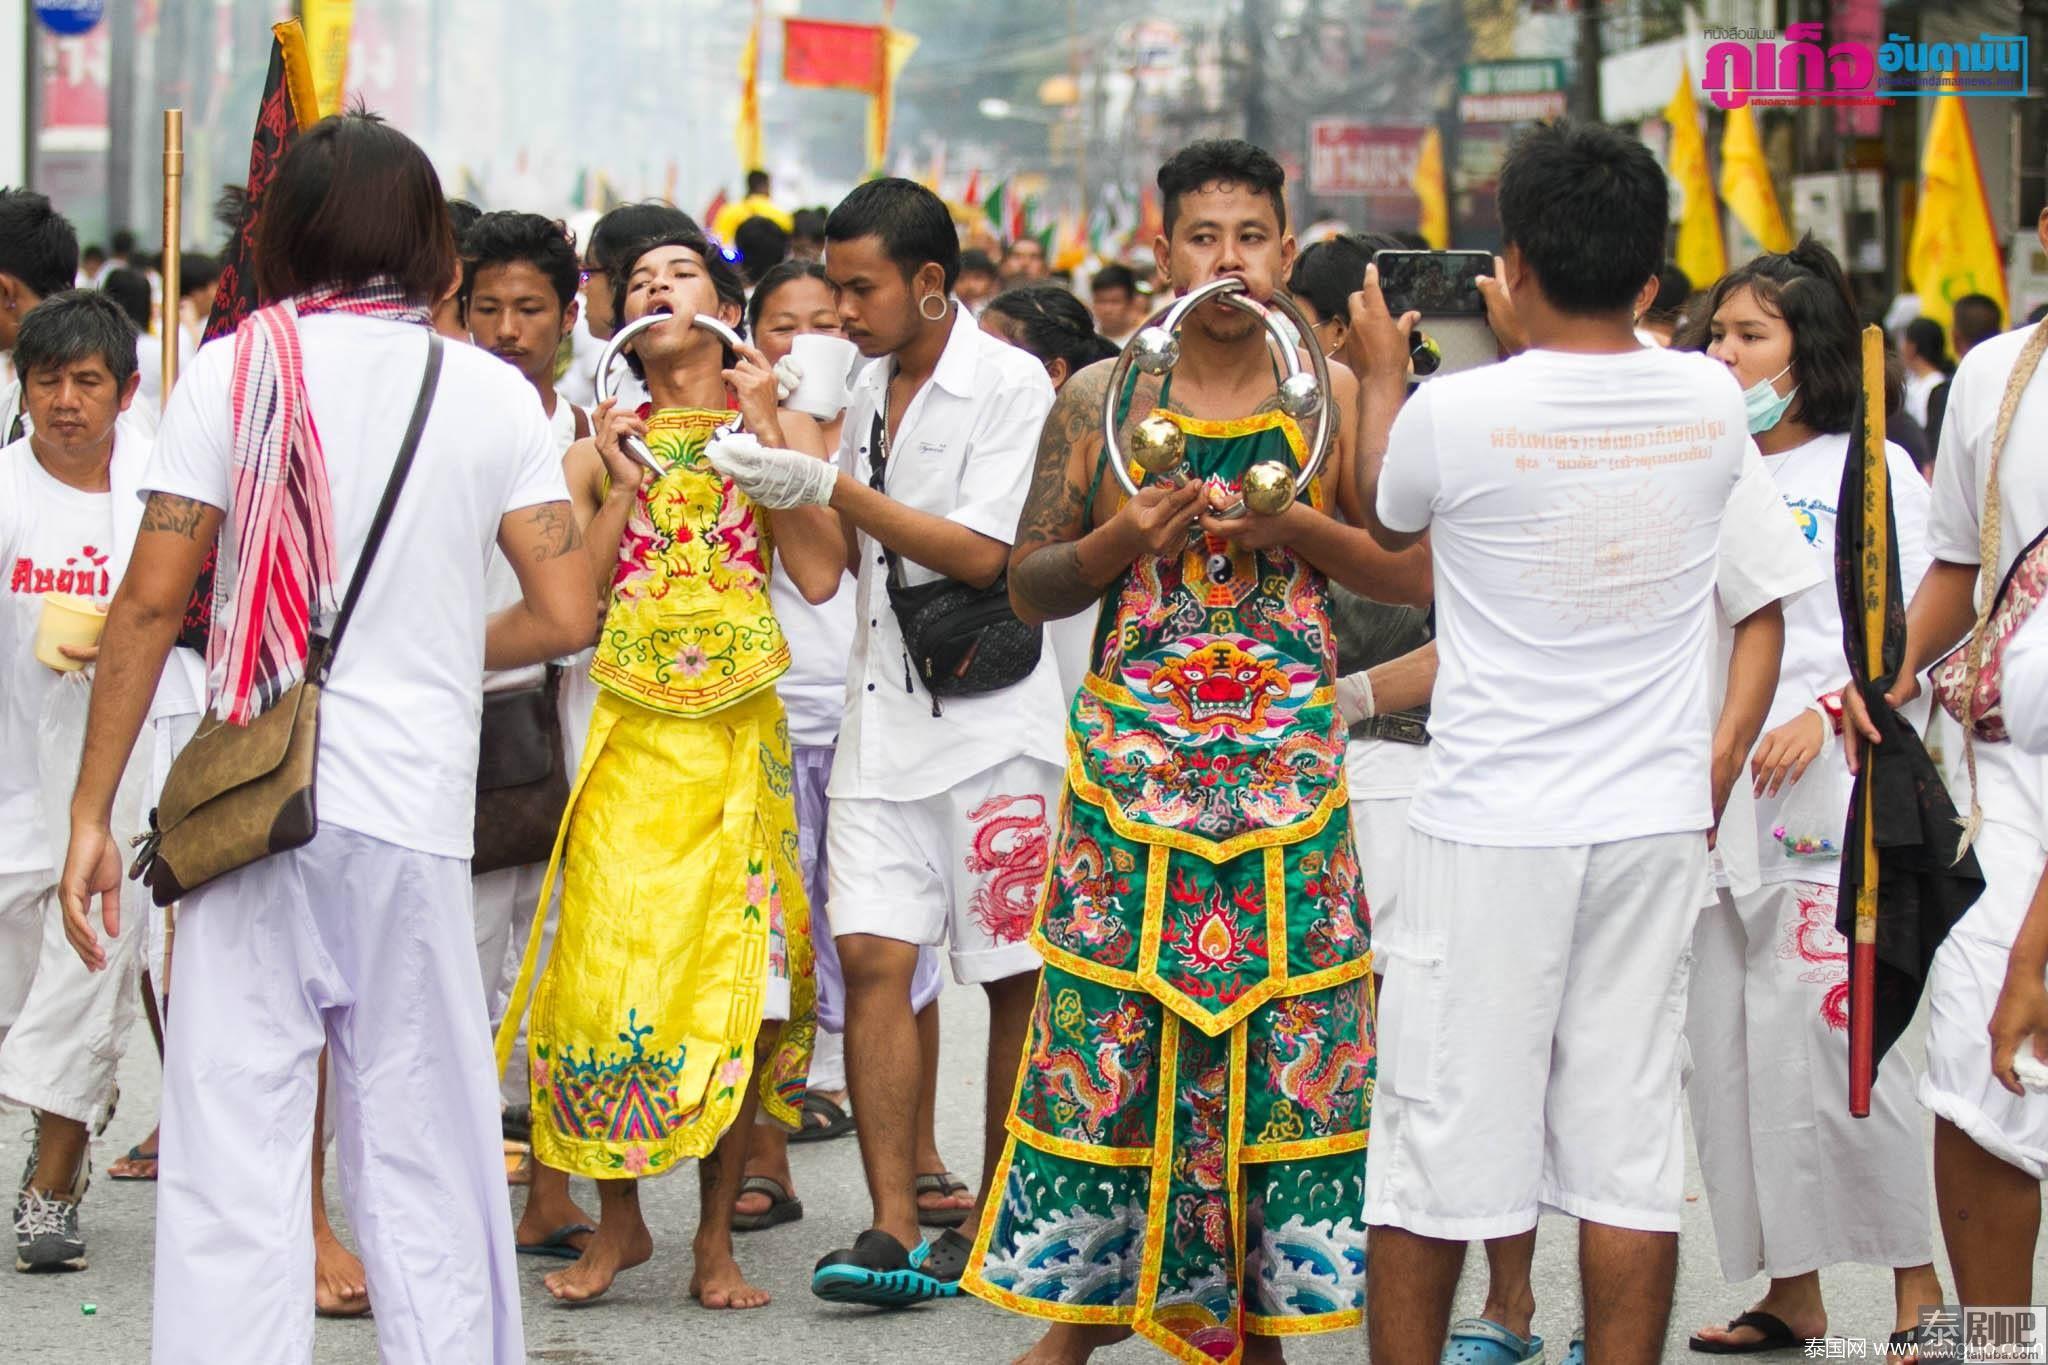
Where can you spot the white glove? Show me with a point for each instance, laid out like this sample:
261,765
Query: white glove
788,374
1354,698
776,479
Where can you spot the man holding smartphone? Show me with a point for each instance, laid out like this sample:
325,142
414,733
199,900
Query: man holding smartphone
1573,496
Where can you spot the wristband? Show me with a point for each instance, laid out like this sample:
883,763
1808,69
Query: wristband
1830,707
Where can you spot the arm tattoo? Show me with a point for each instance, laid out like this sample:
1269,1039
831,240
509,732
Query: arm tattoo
1053,508
1048,572
555,525
169,512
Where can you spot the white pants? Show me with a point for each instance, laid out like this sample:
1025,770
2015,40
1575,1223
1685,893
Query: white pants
1530,1037
1962,987
21,939
367,947
64,1045
964,867
505,902
1379,829
1789,1175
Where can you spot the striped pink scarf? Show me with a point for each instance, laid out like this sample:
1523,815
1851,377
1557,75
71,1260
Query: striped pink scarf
277,582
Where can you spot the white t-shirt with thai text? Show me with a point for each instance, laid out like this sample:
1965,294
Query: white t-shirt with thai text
399,717
1574,504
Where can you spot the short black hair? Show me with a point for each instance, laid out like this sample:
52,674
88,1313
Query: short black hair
72,325
1587,207
229,206
1326,275
129,288
1806,287
197,270
628,225
757,181
1674,287
724,278
1929,340
1115,276
1976,317
462,216
354,199
509,236
1053,324
777,276
124,242
37,244
762,245
1221,161
975,261
910,221
807,225
95,252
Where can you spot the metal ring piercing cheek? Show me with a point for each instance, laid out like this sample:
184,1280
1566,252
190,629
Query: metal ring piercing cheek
633,444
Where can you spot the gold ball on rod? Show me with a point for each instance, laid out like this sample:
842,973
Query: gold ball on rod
1269,488
1158,446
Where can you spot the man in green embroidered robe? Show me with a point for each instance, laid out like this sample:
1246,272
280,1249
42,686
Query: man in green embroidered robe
1186,1156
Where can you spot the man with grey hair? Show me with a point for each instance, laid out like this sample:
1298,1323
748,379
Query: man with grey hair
65,530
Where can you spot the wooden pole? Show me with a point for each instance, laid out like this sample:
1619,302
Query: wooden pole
174,218
1876,572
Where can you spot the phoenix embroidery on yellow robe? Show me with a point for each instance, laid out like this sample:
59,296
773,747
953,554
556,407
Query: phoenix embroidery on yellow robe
682,901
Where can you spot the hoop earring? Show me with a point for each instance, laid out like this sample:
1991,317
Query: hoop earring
932,317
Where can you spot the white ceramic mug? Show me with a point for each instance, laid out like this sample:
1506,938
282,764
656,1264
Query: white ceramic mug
826,362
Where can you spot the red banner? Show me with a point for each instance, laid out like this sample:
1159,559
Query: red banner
831,56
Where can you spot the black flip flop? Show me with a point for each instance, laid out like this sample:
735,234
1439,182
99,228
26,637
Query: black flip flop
556,1244
1777,1336
783,1207
135,1153
837,1123
941,1183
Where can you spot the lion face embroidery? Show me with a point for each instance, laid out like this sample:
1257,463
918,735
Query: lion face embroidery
1219,688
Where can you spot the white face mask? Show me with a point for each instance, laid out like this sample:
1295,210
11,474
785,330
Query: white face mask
1764,405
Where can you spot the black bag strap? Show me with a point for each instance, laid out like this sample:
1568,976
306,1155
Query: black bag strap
400,467
878,475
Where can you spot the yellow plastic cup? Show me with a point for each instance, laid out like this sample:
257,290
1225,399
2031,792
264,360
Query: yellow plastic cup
67,619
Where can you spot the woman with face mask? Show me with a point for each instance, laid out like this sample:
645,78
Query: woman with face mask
1793,1182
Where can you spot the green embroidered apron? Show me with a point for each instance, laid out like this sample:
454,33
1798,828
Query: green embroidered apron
1187,1143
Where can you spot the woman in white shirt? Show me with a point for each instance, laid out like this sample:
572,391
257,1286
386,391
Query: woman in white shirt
1793,1182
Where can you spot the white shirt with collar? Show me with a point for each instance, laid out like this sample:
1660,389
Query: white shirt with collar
964,451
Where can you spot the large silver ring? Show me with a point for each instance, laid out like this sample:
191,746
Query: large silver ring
636,447
1156,349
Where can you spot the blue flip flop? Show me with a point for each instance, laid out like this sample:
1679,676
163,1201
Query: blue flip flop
1577,1354
1482,1341
877,1271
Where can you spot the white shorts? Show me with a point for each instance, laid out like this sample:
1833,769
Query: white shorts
1962,987
965,867
1379,829
1529,1044
505,902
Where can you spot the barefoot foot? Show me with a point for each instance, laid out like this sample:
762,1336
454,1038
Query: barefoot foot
1069,1344
609,1251
717,1282
340,1289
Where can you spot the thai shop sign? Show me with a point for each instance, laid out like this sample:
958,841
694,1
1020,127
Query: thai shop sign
1523,91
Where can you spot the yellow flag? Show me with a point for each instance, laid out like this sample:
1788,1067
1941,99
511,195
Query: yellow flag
1746,182
748,131
1954,250
882,107
1435,221
327,24
1702,255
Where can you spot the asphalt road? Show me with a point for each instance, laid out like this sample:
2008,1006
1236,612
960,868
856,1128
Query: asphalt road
648,1316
